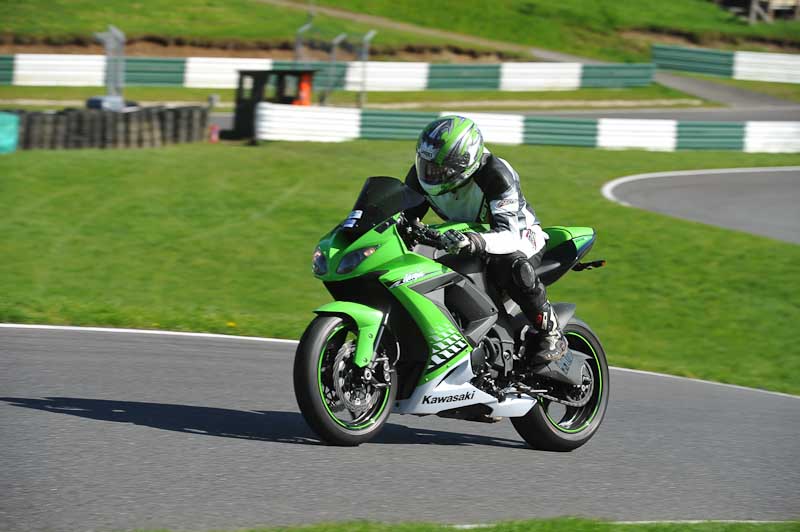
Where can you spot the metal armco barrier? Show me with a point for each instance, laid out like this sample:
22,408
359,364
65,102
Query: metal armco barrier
142,128
755,66
220,72
326,124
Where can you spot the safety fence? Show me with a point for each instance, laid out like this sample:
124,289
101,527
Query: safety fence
326,124
221,73
756,66
142,127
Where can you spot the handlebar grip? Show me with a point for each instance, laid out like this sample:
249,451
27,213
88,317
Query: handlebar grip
427,235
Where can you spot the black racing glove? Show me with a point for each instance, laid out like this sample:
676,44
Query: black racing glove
458,243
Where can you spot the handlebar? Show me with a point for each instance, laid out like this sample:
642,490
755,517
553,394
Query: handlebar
424,234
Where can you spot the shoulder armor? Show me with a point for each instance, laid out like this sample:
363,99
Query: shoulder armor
495,178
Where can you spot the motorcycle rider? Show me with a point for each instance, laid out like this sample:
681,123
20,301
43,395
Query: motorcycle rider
464,182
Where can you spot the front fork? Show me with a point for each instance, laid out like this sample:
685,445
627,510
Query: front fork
370,322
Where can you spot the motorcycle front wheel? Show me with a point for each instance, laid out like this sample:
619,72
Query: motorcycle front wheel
341,404
552,426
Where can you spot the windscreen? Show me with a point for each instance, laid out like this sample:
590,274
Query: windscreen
380,198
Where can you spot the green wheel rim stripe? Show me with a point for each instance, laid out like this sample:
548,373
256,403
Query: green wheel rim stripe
599,394
367,423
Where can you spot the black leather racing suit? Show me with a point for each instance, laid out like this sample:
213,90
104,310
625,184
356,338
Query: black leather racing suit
515,242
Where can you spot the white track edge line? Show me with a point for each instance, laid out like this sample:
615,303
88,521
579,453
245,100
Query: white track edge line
608,188
701,521
724,384
145,331
667,522
294,342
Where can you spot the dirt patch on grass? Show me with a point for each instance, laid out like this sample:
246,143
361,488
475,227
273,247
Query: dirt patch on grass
712,40
155,46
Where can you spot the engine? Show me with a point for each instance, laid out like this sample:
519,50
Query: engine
492,361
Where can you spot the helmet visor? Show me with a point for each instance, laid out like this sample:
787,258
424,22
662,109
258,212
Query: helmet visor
431,173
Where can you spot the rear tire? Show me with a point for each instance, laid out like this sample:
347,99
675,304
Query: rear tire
543,429
315,391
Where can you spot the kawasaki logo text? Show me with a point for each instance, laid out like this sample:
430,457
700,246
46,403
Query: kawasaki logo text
428,400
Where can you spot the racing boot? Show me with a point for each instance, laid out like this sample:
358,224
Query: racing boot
552,345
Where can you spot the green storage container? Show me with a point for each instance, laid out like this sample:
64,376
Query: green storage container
9,132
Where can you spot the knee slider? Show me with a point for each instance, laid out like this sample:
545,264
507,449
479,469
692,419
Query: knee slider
523,275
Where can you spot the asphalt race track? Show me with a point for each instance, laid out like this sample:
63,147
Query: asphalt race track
114,430
104,431
760,201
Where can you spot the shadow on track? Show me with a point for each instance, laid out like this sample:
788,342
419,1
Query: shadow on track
272,426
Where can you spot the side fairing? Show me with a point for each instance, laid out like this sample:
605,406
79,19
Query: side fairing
453,391
337,244
581,236
446,345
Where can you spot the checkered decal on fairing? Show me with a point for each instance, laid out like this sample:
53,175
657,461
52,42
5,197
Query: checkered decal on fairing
446,342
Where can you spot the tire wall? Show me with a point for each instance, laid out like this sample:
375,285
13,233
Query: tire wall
83,128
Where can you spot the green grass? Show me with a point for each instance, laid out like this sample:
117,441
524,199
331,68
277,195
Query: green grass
787,91
220,21
584,27
651,92
549,525
159,94
139,94
131,92
218,238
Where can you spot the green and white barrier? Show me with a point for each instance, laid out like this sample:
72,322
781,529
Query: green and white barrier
332,124
221,73
50,69
784,68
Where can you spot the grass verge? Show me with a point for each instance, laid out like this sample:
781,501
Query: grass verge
594,29
620,31
131,93
432,97
218,238
429,99
197,21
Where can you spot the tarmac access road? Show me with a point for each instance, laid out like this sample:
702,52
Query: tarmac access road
114,431
713,114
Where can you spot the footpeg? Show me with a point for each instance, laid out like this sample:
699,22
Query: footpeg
589,265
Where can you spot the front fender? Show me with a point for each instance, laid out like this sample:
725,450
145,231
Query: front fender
367,319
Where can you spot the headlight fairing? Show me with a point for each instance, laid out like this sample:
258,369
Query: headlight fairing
351,261
319,263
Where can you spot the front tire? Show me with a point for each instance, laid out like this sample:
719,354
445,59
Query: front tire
338,406
550,426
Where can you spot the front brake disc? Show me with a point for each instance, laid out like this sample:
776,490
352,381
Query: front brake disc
349,387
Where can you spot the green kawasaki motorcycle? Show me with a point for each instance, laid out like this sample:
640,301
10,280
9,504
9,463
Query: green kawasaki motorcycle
417,331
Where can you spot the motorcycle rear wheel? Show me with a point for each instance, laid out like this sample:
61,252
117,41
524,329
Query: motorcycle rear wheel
338,406
550,426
